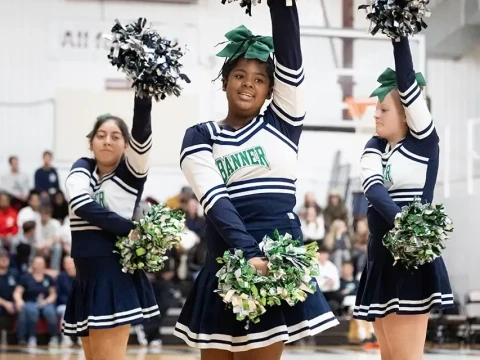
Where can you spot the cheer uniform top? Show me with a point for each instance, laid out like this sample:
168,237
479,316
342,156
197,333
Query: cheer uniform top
245,182
100,209
391,179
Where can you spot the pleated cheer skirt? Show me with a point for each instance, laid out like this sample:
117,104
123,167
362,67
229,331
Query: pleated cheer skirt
103,297
206,323
385,288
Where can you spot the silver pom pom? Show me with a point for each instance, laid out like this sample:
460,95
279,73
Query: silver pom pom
397,18
149,60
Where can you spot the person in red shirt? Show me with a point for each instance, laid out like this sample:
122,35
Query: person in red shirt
8,221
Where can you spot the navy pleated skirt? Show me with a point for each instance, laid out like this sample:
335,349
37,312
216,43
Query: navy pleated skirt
385,288
102,297
206,323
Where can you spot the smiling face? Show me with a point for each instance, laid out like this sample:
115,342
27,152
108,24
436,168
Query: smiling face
390,120
247,86
108,144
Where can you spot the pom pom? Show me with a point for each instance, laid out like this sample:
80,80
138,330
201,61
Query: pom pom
145,248
291,267
150,61
419,235
397,18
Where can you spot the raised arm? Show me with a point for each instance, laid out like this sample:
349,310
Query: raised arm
419,118
198,166
81,203
372,181
288,99
140,145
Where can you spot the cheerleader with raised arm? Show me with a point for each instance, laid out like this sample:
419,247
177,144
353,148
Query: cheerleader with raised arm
398,164
103,193
242,169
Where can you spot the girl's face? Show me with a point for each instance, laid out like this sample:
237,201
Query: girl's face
247,87
108,144
390,119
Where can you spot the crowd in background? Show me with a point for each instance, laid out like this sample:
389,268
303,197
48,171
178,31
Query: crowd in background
36,271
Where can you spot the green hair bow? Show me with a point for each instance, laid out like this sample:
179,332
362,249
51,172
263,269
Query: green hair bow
243,42
388,81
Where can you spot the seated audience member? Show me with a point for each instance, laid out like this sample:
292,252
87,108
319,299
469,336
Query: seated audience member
30,212
36,295
48,238
329,279
23,246
8,281
338,243
16,184
64,285
348,283
313,226
59,206
8,221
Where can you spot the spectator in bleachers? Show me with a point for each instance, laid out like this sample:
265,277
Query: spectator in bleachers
46,177
313,226
309,201
175,202
30,212
348,282
338,243
8,221
329,279
23,246
64,284
59,207
35,296
335,209
8,281
193,220
48,238
16,183
360,243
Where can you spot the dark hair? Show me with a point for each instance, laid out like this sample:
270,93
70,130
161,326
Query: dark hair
103,119
323,249
230,64
28,226
31,194
11,158
47,152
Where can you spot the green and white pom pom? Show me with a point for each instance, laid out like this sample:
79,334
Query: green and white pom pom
292,267
419,235
238,285
160,230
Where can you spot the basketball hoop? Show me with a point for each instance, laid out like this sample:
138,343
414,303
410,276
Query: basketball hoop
357,108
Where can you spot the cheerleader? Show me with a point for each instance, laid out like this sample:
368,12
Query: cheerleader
103,193
242,169
399,163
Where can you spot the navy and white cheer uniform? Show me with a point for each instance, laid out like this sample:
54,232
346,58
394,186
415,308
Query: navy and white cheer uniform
245,181
391,179
102,296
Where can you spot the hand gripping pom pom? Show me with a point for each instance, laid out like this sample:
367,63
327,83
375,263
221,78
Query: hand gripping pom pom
247,4
150,61
419,235
397,18
291,267
158,232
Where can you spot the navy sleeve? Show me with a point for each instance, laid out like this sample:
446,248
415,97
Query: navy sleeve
200,170
81,203
418,115
37,185
372,180
140,144
286,112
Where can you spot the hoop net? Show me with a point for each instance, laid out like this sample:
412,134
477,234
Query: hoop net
357,108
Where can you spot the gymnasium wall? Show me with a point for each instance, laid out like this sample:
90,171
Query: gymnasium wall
54,86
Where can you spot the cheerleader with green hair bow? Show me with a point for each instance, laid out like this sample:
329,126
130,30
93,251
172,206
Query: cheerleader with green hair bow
399,167
242,170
